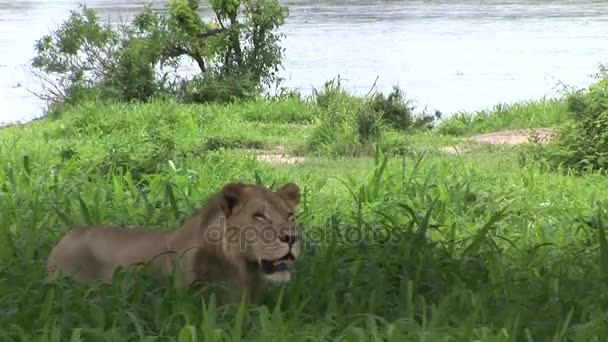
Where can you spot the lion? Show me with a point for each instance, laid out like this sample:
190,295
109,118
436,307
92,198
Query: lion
245,235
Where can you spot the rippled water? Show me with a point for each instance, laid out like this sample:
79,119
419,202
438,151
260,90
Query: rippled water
448,55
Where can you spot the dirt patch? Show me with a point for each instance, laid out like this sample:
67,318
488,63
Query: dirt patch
277,156
510,137
515,137
452,149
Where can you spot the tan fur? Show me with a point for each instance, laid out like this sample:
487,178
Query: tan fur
226,241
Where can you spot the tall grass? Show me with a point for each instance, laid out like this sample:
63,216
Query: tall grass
545,112
416,247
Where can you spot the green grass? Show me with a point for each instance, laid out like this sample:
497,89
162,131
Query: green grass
546,112
468,248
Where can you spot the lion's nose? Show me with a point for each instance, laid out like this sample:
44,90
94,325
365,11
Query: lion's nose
289,239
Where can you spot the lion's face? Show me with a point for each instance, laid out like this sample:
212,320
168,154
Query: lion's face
261,227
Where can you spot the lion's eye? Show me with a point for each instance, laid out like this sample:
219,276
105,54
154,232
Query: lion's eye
291,216
260,216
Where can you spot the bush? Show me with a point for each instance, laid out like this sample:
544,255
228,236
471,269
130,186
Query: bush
338,131
237,54
583,144
210,87
398,112
351,125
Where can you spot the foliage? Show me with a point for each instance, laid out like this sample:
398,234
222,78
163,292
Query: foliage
351,125
583,143
344,128
423,247
526,114
398,112
236,54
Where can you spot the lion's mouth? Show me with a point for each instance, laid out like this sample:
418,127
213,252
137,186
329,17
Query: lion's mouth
278,265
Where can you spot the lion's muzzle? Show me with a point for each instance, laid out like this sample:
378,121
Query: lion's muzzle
281,264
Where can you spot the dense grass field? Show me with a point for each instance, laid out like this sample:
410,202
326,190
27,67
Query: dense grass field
418,245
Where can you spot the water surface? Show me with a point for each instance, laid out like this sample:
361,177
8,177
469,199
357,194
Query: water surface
447,55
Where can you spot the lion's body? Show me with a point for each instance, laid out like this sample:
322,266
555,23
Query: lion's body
83,253
206,249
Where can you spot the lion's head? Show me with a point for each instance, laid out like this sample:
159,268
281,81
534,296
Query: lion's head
260,226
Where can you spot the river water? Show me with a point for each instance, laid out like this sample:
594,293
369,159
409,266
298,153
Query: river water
449,55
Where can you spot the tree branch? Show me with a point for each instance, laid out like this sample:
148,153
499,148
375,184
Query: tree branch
211,32
177,51
199,60
219,19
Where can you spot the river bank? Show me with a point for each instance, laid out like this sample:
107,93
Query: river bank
444,54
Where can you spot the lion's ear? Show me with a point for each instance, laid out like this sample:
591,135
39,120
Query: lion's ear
231,197
290,192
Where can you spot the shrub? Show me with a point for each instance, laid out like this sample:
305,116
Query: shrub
351,125
395,109
237,54
338,131
583,144
398,111
214,87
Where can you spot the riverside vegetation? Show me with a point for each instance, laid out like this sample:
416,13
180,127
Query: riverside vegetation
403,242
